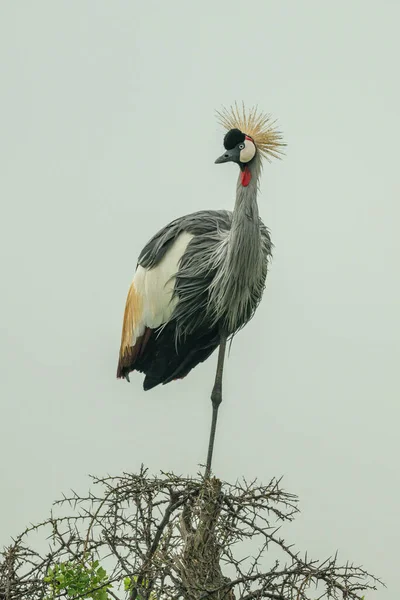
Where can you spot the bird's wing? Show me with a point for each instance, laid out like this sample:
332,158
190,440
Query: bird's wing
154,293
203,222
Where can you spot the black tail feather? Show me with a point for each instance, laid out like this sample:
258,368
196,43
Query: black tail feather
165,359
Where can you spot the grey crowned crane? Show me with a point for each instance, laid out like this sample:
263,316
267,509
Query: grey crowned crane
200,279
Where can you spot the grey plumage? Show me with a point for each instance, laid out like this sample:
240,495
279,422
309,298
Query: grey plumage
222,273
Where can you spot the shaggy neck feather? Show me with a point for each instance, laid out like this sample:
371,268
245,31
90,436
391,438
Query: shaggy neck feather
244,243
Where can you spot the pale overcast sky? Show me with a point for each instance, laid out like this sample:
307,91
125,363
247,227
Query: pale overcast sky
108,133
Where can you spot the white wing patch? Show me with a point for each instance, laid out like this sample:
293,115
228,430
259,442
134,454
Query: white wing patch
155,287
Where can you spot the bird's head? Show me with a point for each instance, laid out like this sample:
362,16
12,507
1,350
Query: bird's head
240,148
249,134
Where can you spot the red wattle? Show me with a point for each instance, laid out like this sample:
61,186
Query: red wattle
245,177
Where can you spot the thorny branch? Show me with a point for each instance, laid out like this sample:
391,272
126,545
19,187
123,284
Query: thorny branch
178,538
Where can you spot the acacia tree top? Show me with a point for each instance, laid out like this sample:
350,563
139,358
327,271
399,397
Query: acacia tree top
170,537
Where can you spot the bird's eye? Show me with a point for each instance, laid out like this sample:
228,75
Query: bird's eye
241,146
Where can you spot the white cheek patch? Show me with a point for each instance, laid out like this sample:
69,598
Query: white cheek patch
248,151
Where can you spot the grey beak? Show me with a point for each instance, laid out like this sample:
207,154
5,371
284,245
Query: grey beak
227,157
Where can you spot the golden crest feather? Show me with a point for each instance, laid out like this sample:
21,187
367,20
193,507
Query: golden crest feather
259,126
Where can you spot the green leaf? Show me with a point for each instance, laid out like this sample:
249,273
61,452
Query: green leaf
101,573
73,579
127,584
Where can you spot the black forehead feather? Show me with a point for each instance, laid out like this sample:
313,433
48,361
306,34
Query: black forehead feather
233,138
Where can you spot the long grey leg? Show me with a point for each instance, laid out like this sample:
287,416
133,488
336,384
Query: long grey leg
216,399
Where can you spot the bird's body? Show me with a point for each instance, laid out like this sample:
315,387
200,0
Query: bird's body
201,278
190,284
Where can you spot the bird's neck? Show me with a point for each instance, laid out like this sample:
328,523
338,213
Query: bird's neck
244,242
232,291
245,220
